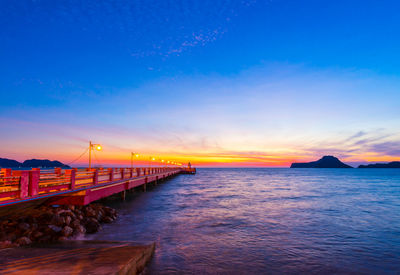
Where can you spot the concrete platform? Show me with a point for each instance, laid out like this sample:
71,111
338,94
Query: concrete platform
77,257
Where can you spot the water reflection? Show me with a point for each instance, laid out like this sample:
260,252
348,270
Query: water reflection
268,220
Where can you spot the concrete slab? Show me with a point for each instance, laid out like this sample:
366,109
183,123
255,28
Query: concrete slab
77,257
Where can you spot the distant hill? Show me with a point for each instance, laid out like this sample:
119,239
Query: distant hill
325,162
393,164
31,163
8,163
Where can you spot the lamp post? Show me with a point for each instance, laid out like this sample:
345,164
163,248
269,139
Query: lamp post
133,154
91,146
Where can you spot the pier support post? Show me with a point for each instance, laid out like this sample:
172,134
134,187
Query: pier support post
144,185
123,195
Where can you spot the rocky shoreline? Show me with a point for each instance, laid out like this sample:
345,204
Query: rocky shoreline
49,224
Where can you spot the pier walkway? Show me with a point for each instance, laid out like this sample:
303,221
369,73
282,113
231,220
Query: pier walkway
77,186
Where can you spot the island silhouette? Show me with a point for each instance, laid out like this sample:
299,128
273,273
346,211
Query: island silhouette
393,164
324,162
31,163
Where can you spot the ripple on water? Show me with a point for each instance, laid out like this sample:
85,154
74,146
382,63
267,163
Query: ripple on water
244,221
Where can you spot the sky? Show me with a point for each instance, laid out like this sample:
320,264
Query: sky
218,83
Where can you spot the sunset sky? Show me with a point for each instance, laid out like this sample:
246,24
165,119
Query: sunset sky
219,83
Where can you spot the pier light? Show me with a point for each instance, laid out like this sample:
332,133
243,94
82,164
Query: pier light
162,160
153,159
133,154
93,146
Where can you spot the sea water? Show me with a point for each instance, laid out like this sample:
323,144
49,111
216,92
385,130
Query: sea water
257,221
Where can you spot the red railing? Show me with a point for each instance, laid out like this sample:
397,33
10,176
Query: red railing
20,184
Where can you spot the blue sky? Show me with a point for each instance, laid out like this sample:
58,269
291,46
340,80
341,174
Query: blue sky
242,82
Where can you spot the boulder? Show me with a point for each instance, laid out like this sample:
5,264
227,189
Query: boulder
92,226
107,219
36,235
67,220
23,226
55,229
79,230
57,220
67,231
23,241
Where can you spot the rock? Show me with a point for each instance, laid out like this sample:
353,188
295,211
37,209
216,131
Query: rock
37,235
51,223
79,230
31,219
107,219
55,229
23,241
11,237
75,223
57,220
92,226
45,218
5,244
67,231
89,212
67,220
24,226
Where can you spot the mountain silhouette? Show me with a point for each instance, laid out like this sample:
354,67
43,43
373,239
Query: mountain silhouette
324,162
393,164
9,163
31,163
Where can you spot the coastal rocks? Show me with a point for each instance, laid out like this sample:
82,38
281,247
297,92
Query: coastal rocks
67,231
23,241
48,223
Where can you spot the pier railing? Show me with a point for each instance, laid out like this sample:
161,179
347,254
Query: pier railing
22,184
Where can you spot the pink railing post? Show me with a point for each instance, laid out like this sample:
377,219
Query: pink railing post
122,173
24,184
72,172
95,177
138,172
34,178
111,171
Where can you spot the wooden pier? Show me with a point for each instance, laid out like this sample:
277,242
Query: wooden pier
77,257
77,186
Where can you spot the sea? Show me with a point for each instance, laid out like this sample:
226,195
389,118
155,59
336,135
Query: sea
267,221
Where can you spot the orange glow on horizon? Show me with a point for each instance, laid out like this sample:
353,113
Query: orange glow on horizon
112,156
